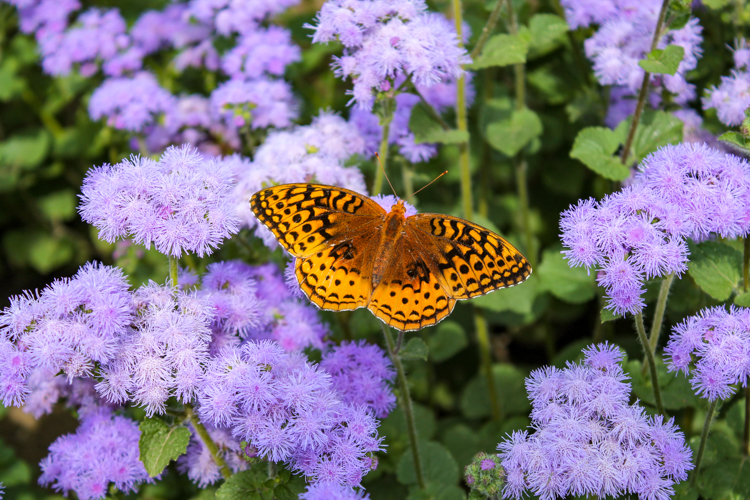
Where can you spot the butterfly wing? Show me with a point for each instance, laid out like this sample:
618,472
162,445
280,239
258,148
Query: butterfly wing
307,218
332,231
410,295
469,259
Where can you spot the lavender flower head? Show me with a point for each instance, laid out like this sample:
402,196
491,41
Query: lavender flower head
732,97
179,204
288,410
259,52
44,18
256,103
103,450
130,103
72,325
713,347
200,465
588,440
384,40
235,17
332,491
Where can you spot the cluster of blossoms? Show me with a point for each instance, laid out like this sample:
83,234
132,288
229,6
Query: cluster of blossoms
683,191
716,344
103,450
626,30
588,440
199,464
332,491
179,204
732,97
289,411
485,475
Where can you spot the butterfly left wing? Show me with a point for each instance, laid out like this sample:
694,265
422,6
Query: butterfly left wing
470,260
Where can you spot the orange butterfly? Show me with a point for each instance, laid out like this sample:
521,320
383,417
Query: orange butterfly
408,271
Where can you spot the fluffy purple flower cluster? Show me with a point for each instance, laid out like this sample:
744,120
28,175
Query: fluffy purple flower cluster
683,191
713,347
311,153
332,491
732,97
103,450
362,375
289,411
387,39
179,204
199,464
589,441
232,17
258,103
72,325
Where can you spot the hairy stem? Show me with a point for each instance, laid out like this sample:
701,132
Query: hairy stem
661,307
488,27
173,261
483,339
406,405
385,123
642,94
704,438
207,441
651,362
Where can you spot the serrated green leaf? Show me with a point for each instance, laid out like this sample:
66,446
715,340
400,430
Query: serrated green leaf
657,129
509,388
246,484
502,50
511,135
569,284
547,32
594,147
518,299
438,465
414,349
663,61
448,340
742,300
427,129
608,315
715,267
736,140
159,444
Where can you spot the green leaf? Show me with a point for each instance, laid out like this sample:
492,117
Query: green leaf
394,425
663,62
657,129
414,349
463,443
159,444
438,465
569,284
59,205
511,135
594,147
24,150
427,129
608,315
436,491
38,249
715,267
518,299
547,32
447,341
676,391
243,485
16,474
502,50
742,300
509,389
736,141
10,83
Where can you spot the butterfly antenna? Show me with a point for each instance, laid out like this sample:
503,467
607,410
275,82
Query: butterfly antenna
433,180
386,175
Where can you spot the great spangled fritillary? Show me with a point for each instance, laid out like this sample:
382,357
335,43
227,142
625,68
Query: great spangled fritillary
408,271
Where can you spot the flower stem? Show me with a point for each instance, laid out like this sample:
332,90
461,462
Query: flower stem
644,86
488,27
462,123
483,339
406,406
650,359
385,123
704,438
746,434
746,264
173,270
661,306
207,441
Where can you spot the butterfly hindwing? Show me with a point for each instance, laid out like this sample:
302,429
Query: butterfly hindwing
306,218
470,259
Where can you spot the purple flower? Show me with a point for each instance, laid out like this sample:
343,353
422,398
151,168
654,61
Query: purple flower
713,347
130,103
362,375
230,17
257,103
387,40
44,18
230,288
288,410
332,491
103,450
199,463
588,440
178,204
484,475
264,50
732,97
171,27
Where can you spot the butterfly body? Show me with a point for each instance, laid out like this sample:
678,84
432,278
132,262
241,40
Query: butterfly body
408,271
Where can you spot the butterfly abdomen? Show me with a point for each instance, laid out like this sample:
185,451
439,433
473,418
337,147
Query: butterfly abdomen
391,233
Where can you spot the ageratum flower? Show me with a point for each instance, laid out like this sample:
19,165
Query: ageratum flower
256,103
332,491
732,97
260,52
713,347
587,439
179,204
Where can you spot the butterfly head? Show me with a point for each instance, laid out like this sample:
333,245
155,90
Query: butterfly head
390,203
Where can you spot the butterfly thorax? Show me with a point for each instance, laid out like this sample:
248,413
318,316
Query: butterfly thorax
391,232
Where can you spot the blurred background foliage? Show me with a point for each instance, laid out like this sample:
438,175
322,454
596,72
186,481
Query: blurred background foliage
48,142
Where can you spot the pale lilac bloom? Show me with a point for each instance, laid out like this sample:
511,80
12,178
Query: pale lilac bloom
260,52
325,490
103,450
178,204
199,463
130,103
588,440
732,97
168,28
693,131
256,103
713,348
44,18
236,16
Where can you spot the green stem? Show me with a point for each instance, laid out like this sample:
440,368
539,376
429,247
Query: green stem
483,339
488,27
271,470
704,438
406,405
207,441
408,177
651,362
642,94
385,123
661,307
746,264
173,270
462,123
523,200
746,433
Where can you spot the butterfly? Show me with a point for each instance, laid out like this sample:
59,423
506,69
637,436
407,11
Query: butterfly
408,271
